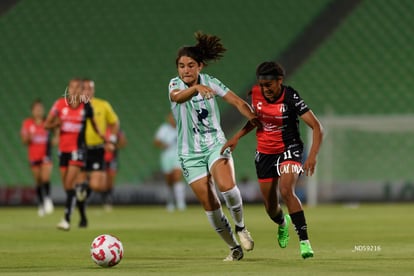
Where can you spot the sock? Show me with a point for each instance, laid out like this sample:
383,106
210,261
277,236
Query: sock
179,193
39,194
279,218
46,188
107,197
82,209
235,204
298,219
70,196
170,198
222,226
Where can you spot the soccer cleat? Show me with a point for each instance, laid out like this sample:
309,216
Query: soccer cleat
236,254
245,239
83,223
306,249
48,206
283,233
63,225
81,192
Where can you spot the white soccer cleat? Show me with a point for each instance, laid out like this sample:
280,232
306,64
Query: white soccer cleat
48,206
63,225
236,254
246,239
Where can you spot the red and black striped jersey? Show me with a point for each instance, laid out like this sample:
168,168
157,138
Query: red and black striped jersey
279,119
73,123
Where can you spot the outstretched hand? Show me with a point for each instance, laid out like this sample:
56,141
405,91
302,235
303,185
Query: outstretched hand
231,144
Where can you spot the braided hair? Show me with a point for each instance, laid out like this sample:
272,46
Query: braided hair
208,48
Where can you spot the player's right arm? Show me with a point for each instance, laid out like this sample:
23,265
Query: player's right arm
52,121
181,96
25,133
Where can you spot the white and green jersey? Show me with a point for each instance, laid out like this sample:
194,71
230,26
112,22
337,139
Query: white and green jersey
198,119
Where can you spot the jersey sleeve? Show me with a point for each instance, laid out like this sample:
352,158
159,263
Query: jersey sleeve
160,133
111,116
174,85
55,110
298,103
218,86
25,127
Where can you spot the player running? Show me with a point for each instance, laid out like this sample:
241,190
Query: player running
93,175
69,114
280,148
166,140
200,137
38,141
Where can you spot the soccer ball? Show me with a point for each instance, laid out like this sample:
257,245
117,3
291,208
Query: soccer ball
106,250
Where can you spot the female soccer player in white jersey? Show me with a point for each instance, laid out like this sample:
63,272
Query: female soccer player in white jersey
166,140
200,138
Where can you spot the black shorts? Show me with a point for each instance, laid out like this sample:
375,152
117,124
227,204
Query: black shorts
76,158
95,159
268,166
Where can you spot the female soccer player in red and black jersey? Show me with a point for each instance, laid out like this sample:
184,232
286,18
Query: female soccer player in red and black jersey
69,114
280,149
37,139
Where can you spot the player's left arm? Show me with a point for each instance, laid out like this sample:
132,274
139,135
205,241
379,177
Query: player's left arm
243,107
113,125
317,136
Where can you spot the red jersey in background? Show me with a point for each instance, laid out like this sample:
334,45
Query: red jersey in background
39,145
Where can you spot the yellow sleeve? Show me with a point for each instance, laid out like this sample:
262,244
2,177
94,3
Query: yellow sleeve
111,116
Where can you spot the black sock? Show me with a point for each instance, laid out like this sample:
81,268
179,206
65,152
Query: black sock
82,209
39,194
70,195
46,188
298,219
279,218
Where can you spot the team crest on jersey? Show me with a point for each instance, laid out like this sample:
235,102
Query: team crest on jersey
202,114
283,108
65,111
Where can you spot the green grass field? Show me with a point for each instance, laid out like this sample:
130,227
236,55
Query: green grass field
352,240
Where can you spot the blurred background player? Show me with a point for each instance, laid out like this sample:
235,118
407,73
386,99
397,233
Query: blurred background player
69,114
38,141
93,175
193,102
166,140
112,166
280,149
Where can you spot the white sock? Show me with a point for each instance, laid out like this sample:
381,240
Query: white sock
235,204
170,198
222,226
179,193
